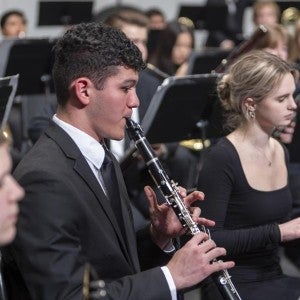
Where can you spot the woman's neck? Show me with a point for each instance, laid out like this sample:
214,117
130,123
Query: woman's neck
251,134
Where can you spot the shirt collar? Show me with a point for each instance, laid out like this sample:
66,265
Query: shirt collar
91,149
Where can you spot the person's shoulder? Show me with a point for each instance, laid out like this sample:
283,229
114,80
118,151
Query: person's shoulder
222,154
147,75
222,148
41,154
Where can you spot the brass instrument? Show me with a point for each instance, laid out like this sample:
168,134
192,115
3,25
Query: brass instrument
290,16
2,137
196,144
187,22
6,136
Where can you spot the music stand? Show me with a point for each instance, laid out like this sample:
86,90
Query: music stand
32,59
286,4
53,13
209,17
206,60
182,107
8,88
195,13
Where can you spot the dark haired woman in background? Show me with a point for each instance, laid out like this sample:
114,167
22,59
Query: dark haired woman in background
175,45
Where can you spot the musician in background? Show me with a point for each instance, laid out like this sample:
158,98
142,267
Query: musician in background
175,44
230,34
276,41
291,250
157,19
134,24
157,22
245,177
265,13
69,215
13,24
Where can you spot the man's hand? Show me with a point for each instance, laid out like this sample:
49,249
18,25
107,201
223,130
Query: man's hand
165,225
192,263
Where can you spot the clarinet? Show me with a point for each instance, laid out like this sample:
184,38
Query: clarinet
171,194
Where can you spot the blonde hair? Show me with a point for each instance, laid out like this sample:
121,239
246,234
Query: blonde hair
254,75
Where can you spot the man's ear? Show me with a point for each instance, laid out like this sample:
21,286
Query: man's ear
81,88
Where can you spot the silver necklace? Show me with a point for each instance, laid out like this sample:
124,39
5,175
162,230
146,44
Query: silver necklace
264,154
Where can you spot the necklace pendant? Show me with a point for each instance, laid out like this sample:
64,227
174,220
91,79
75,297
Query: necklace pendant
269,163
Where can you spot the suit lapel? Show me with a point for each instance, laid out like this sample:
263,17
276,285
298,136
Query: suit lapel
82,168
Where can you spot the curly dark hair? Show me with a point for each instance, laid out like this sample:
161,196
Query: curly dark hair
91,50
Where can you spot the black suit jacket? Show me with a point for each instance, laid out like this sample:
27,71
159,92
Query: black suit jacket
66,220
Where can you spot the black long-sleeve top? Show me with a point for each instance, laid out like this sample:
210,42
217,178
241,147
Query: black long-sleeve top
246,219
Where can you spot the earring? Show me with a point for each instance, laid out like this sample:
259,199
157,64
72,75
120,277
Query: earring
251,113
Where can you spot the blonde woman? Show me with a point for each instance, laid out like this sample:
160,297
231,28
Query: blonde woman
245,177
